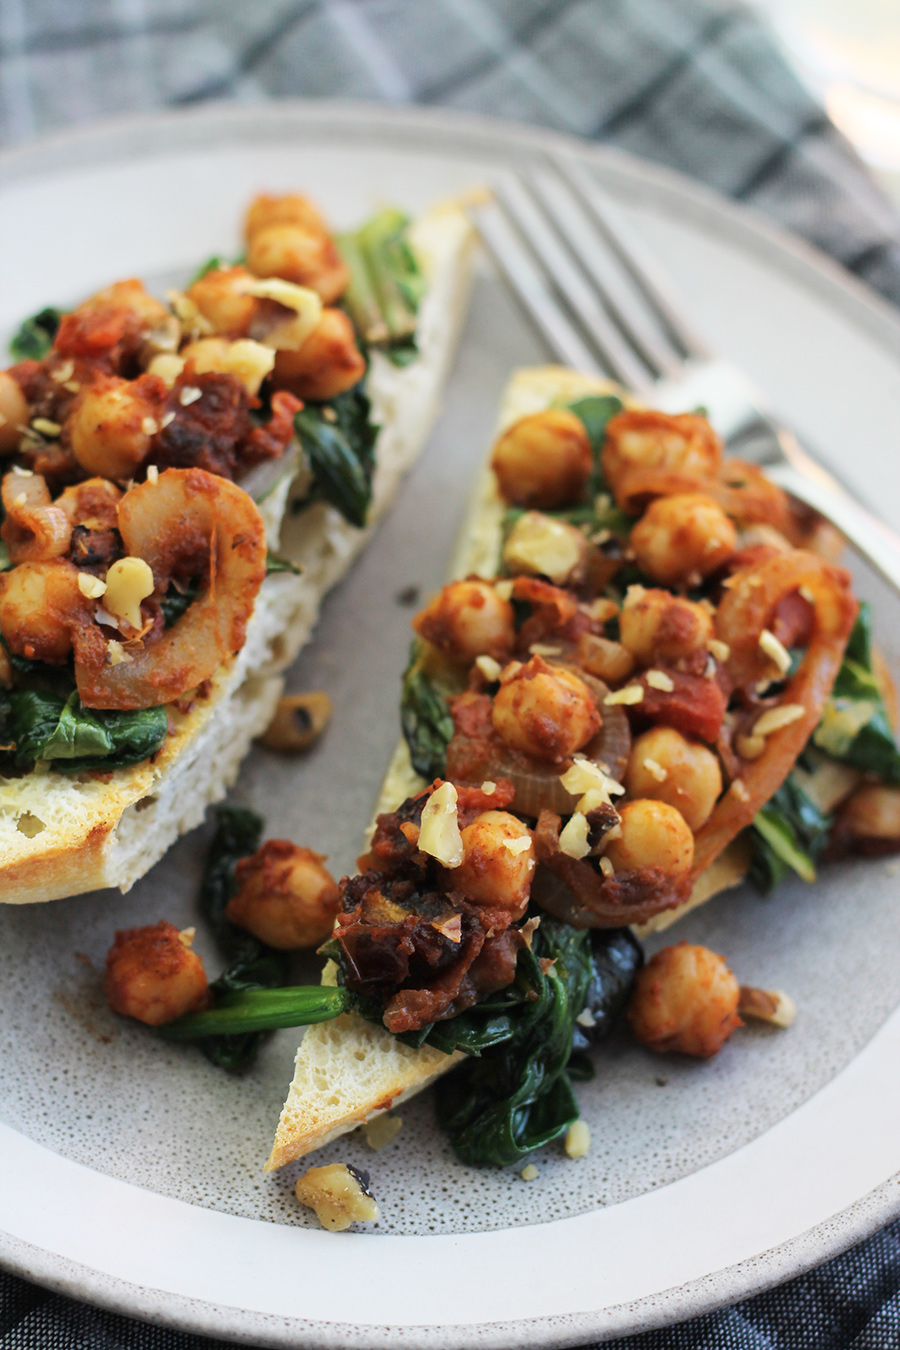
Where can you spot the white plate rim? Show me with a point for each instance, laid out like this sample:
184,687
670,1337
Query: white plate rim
859,305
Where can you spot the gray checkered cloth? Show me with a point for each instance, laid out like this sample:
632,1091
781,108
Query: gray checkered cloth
698,85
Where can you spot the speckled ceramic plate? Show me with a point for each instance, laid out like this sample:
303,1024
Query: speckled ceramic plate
131,1172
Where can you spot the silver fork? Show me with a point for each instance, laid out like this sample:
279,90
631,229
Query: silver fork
603,307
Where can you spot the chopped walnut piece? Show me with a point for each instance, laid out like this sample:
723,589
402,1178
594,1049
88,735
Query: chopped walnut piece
339,1194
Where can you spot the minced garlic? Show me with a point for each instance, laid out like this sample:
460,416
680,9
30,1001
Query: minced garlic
658,679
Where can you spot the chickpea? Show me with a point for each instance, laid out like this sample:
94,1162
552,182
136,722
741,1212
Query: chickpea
39,604
666,767
291,209
468,619
543,460
685,999
13,413
130,295
545,712
657,626
328,362
492,873
637,439
287,898
152,974
222,298
872,815
682,537
308,257
653,834
112,422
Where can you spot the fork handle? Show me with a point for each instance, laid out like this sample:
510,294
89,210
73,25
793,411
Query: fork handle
877,542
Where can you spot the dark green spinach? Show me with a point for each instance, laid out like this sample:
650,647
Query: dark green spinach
339,440
35,335
251,964
854,728
425,716
789,834
45,726
516,1095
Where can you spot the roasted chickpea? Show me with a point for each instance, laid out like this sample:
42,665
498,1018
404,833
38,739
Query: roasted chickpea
666,767
308,257
871,816
544,711
112,422
644,440
152,974
130,295
328,363
13,413
222,298
653,834
290,209
685,999
683,537
543,460
498,862
39,604
468,619
657,626
287,898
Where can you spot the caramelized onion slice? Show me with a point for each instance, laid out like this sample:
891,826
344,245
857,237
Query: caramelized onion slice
537,784
188,521
747,608
571,890
35,530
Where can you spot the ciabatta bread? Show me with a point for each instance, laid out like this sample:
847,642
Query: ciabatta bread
63,834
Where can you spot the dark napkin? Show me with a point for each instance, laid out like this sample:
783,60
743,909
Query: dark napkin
698,85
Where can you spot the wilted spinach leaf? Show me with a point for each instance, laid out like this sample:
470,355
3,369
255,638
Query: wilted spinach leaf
425,716
386,284
516,1095
35,335
252,965
854,728
339,440
177,599
46,726
788,834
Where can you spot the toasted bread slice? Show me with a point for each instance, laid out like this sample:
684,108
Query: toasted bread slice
349,1070
63,834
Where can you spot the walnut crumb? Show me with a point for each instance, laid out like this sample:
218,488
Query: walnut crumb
339,1194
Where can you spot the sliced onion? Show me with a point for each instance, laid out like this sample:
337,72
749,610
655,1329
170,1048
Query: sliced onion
536,783
571,890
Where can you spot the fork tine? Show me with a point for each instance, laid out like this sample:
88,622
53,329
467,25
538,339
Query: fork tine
530,288
602,264
642,267
569,281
